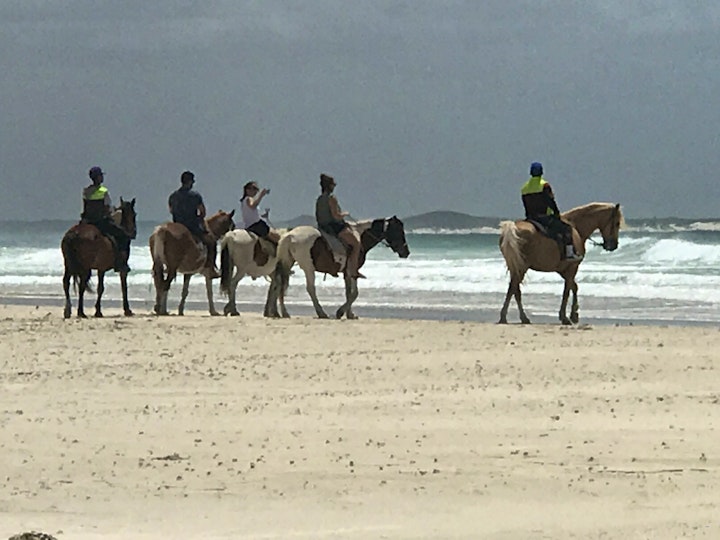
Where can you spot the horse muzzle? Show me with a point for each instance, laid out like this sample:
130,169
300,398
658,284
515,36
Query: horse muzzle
610,245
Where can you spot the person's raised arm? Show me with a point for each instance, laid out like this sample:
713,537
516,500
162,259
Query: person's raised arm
254,201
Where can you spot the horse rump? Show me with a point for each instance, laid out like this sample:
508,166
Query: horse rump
73,264
511,248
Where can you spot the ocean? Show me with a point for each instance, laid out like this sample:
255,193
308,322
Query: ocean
658,275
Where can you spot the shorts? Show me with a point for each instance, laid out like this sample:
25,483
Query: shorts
334,227
260,228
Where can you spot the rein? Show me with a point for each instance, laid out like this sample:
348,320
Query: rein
602,244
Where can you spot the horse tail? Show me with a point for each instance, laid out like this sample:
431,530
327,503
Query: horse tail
73,266
285,261
225,265
511,247
157,251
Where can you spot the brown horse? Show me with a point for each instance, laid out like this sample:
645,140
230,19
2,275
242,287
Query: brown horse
84,249
306,246
174,249
524,248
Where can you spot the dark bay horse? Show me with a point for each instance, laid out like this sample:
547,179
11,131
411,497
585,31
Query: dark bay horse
173,249
524,248
306,246
84,249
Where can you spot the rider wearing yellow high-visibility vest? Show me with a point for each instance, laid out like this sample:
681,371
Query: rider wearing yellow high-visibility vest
540,206
97,210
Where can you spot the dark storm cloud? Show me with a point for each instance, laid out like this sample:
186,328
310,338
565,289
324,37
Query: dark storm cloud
414,106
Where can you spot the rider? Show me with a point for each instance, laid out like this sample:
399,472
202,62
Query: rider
253,221
187,208
540,206
330,219
97,210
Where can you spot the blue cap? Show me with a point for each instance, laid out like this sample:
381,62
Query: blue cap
536,169
95,172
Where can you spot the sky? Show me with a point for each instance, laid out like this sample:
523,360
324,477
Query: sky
413,106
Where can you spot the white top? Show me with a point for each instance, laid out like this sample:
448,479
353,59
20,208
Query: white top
250,215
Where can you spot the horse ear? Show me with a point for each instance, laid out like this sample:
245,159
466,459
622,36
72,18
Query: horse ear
232,213
121,201
617,206
132,203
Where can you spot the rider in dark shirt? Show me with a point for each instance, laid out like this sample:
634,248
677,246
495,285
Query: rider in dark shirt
187,208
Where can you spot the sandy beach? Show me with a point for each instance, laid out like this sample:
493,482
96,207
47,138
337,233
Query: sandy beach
247,428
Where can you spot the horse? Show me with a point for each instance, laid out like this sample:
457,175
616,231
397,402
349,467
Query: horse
306,246
173,249
85,249
524,248
242,251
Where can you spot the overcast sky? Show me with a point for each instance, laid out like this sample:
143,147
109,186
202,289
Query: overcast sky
413,106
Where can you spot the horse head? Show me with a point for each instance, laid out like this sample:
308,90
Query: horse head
128,217
220,223
610,227
395,236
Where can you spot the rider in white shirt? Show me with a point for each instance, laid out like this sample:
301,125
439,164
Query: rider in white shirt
252,220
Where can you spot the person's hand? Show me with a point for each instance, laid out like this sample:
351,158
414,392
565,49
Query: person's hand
265,191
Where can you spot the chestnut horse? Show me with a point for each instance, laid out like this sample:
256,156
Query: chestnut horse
307,246
524,248
84,249
173,249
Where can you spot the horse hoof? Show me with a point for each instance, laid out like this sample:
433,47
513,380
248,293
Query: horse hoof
214,313
352,316
575,318
98,315
82,316
129,313
66,314
525,321
565,322
322,316
503,320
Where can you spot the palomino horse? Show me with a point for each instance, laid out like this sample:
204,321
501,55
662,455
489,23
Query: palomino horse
306,246
173,249
524,248
242,251
84,249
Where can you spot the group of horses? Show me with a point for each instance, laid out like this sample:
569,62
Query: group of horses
174,250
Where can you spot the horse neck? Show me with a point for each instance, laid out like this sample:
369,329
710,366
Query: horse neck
372,233
116,216
213,225
586,219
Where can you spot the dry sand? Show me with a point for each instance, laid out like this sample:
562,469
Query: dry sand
201,427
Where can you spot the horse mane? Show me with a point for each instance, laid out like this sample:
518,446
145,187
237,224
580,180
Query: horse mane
594,207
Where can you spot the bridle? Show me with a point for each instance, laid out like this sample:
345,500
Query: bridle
610,221
382,238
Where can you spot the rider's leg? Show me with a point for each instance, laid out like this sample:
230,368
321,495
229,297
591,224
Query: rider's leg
211,243
347,236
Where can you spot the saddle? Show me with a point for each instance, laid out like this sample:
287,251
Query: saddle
262,250
337,249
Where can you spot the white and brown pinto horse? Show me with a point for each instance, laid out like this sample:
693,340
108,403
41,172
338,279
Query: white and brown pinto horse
84,249
306,246
243,252
174,250
525,248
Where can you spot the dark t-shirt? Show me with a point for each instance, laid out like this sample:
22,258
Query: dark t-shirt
184,205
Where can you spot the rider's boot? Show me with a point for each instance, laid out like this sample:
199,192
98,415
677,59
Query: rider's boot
570,254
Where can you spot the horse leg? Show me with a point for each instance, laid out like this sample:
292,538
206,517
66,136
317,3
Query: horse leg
183,295
81,295
100,291
310,287
66,287
518,299
351,293
231,308
124,288
208,289
271,310
563,305
160,289
281,290
506,304
574,316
